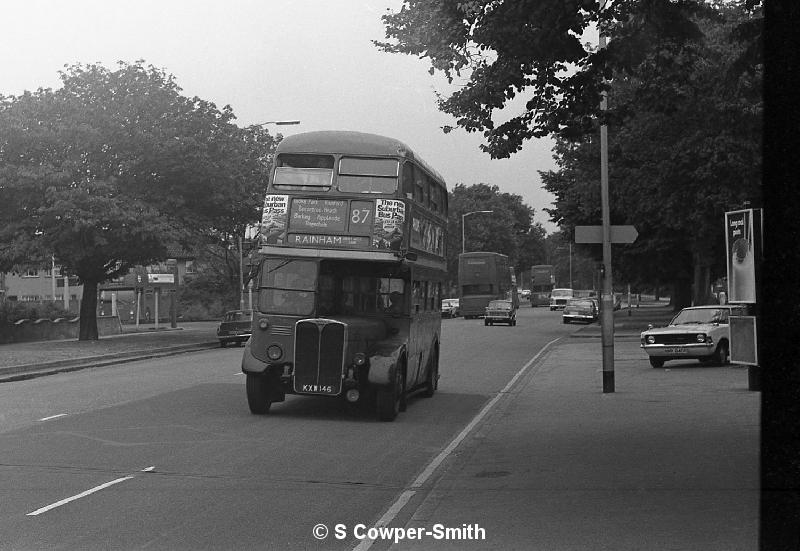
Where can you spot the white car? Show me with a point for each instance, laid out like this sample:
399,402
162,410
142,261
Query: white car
450,308
699,332
559,298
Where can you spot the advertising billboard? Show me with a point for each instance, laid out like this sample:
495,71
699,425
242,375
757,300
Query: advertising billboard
743,240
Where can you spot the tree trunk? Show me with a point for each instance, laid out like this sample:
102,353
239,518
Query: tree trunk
681,294
702,283
88,328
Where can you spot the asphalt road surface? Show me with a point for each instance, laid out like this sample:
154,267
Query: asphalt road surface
164,454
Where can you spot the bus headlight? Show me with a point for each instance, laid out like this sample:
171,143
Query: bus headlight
263,323
359,359
274,352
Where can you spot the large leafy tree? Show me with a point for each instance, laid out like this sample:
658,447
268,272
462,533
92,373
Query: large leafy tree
685,146
108,170
531,56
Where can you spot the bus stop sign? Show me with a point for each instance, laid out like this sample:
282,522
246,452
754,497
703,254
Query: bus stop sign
594,234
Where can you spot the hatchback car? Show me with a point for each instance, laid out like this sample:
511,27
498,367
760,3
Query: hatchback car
700,333
235,327
450,308
580,309
500,311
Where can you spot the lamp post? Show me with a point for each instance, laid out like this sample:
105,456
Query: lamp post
463,233
277,123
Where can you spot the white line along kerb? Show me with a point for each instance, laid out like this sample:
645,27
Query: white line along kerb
86,493
406,496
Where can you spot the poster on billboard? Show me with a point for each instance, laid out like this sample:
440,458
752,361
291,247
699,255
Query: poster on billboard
743,249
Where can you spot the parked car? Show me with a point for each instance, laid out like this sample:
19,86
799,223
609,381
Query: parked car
500,311
235,327
699,332
559,298
580,309
525,293
450,308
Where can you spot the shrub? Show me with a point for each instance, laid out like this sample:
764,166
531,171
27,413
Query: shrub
12,311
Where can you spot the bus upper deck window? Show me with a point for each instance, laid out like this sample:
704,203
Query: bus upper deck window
303,172
364,175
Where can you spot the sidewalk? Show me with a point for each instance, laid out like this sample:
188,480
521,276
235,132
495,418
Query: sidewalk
31,359
667,461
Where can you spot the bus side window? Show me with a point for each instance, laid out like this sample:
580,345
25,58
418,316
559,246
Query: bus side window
409,177
416,296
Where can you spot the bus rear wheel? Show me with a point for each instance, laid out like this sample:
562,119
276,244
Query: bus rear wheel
389,399
432,380
258,394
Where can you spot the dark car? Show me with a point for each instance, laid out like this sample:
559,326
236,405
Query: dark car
580,309
235,327
500,311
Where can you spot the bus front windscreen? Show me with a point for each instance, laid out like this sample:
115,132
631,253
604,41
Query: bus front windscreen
362,175
287,287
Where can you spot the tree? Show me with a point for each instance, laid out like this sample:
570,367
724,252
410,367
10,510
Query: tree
508,229
531,50
112,167
684,148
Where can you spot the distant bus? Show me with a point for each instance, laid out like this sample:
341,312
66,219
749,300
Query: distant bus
351,264
542,283
482,277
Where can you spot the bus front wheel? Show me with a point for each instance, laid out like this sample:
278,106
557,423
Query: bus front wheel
390,398
432,380
258,394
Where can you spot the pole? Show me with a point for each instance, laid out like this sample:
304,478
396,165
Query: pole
570,265
463,234
241,276
53,275
606,301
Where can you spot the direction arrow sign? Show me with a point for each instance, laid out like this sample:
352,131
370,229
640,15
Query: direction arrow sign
594,234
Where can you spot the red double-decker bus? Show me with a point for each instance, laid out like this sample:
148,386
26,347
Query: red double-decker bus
350,272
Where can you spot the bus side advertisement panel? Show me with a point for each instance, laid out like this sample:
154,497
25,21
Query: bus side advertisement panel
390,217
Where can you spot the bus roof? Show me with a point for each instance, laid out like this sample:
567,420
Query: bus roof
346,142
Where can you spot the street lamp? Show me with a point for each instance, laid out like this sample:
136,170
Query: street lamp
463,216
278,123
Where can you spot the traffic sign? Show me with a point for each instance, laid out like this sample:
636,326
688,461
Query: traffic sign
594,234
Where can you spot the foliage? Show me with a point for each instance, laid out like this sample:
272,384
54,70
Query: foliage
529,55
12,310
684,147
508,229
113,167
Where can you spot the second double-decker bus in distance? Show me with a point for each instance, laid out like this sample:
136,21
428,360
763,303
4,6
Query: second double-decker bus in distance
351,264
542,283
483,277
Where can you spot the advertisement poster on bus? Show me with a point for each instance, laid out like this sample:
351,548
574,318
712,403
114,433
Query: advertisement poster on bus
390,215
427,236
274,219
743,246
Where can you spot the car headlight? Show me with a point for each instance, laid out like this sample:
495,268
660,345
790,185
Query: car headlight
651,339
701,337
274,352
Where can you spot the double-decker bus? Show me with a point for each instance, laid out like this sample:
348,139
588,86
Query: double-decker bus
542,283
482,277
351,264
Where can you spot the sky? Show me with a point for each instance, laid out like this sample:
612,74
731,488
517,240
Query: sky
306,60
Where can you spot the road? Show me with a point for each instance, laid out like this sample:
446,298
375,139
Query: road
164,454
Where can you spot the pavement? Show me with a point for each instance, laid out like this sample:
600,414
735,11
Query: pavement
670,460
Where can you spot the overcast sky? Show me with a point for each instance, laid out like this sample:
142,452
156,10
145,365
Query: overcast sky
311,60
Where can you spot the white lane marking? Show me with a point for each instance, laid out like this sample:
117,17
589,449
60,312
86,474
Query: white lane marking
53,417
406,496
86,493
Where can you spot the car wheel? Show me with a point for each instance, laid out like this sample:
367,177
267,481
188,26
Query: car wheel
389,398
486,322
432,380
721,354
657,362
258,393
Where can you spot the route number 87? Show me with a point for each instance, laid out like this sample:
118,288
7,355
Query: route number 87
360,216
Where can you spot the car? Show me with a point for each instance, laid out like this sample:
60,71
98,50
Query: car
559,298
525,293
698,332
450,308
580,309
235,327
500,311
